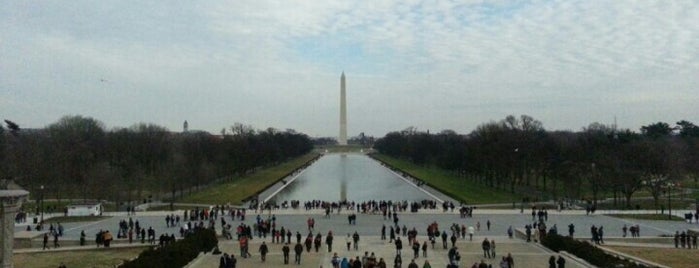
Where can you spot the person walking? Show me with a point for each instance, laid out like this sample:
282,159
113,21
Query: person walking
492,248
348,240
298,249
424,249
426,264
263,251
285,252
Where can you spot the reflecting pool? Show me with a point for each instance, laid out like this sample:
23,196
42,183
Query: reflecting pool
353,177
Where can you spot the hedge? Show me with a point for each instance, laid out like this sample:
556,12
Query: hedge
177,254
585,251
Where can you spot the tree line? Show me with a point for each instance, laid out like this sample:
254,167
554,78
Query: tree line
517,154
76,157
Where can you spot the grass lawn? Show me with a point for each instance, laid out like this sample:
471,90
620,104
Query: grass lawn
666,256
447,182
655,217
63,219
240,188
76,259
649,204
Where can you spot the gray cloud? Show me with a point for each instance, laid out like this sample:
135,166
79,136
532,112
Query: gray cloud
430,64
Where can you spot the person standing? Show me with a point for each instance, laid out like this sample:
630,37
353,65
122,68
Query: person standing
55,240
222,261
486,248
397,262
561,262
329,241
317,241
510,261
231,262
46,241
285,252
424,249
399,245
355,238
82,237
383,232
335,261
263,251
471,230
348,241
416,250
444,239
552,262
298,249
492,248
412,264
571,230
510,232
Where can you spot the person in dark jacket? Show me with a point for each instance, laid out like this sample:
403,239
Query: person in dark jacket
298,249
263,251
285,251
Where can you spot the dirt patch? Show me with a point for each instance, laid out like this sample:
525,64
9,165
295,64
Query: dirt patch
666,256
86,258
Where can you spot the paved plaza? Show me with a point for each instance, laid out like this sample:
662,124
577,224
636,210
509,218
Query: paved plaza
369,226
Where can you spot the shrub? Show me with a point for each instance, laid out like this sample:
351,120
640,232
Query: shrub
585,251
177,254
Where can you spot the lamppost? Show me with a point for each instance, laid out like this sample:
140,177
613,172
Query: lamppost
42,205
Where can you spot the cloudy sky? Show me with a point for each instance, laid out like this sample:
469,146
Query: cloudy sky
430,64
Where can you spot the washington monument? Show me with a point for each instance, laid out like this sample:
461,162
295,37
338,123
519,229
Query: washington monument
343,112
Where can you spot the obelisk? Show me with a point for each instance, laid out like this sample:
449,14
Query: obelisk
343,112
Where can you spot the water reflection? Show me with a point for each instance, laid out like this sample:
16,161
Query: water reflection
353,177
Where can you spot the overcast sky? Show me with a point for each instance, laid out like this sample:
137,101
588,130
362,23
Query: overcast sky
430,64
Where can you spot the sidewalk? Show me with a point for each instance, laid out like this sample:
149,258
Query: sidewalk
524,254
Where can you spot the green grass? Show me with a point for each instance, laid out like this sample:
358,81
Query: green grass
243,187
654,217
649,204
63,219
450,184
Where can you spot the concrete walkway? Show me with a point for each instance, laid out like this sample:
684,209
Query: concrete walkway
524,254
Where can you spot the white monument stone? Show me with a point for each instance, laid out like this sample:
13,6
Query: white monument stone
11,201
343,112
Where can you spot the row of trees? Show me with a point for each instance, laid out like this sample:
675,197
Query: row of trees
77,157
518,155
